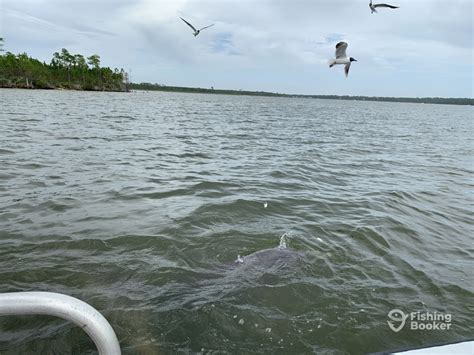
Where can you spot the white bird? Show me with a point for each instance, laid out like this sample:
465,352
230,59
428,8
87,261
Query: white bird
196,32
374,6
265,204
341,57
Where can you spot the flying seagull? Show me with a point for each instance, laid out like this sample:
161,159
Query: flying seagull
341,57
374,6
196,32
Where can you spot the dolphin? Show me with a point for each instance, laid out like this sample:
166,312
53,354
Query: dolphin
264,267
269,258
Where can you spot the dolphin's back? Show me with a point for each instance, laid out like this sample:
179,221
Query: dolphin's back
269,258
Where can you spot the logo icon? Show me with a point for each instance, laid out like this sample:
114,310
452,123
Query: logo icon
396,316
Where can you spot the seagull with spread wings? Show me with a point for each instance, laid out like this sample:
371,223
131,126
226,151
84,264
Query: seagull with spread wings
374,6
196,32
342,58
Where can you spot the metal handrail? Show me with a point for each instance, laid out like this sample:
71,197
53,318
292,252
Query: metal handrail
66,307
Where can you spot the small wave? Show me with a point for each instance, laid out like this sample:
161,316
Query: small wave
118,116
59,206
372,240
192,155
283,241
34,166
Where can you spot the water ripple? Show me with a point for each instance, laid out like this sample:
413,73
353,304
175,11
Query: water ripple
140,204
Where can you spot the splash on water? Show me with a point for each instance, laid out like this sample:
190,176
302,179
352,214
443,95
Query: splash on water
283,241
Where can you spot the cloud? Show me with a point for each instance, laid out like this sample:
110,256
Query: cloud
331,38
223,43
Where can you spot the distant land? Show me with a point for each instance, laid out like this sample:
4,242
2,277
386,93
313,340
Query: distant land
69,71
425,100
65,71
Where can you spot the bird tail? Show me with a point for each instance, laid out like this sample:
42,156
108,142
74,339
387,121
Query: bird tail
331,62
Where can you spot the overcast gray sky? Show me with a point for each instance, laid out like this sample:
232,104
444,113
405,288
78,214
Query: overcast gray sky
425,48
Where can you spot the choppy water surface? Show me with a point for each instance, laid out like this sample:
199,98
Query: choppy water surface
140,203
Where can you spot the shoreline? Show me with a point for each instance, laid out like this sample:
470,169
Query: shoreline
420,100
61,89
181,89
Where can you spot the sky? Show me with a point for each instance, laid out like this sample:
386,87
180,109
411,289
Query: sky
424,48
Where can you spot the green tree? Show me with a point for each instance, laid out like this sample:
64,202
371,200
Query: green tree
8,68
1,44
57,60
65,70
94,61
80,61
68,60
25,68
81,64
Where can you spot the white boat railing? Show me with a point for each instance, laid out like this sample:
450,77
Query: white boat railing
66,307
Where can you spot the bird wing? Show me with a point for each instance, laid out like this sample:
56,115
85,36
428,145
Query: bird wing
385,5
341,50
346,68
206,27
187,23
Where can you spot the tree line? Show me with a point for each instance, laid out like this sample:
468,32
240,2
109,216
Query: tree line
425,100
65,71
158,87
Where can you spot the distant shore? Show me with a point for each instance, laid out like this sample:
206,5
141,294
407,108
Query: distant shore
66,71
424,100
69,71
69,88
182,89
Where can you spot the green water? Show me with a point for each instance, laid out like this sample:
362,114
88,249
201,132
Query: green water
140,203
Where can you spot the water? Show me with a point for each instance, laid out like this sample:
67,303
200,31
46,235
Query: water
140,203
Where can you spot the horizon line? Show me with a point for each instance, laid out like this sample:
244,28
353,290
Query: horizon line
271,93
